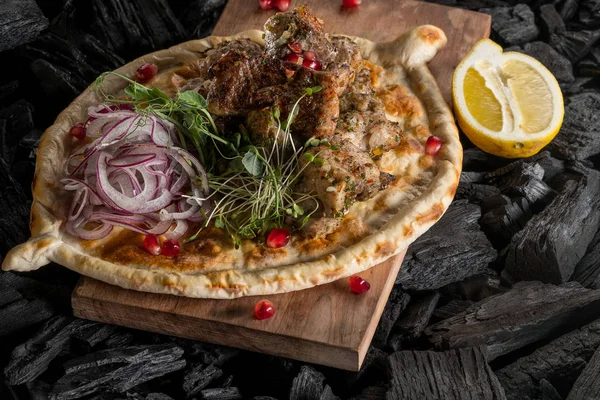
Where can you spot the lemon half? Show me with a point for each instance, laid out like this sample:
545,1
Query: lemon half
508,104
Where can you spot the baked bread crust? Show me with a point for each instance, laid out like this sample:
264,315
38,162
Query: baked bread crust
370,233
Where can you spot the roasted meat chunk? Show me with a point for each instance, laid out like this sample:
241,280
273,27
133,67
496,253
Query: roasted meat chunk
339,176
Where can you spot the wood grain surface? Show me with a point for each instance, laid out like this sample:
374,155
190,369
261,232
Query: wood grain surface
327,324
380,21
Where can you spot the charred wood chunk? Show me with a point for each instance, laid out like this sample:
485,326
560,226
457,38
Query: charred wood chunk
493,202
19,121
442,375
475,192
30,359
308,385
475,288
587,386
529,312
199,377
22,314
548,391
550,21
569,9
372,393
559,362
158,396
9,296
552,166
117,370
555,240
416,317
574,45
579,136
590,65
20,22
452,250
587,271
452,308
395,306
502,223
57,83
94,334
199,16
135,26
230,393
589,14
559,65
471,177
513,25
524,178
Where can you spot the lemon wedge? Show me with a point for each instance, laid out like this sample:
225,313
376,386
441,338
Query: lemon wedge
508,104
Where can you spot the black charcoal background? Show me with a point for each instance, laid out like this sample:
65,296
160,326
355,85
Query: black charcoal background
500,299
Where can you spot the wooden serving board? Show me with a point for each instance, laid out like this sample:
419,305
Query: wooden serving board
327,324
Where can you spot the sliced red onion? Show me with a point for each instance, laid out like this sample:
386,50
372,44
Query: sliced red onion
132,176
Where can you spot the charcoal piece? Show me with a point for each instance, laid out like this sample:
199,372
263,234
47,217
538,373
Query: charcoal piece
493,202
308,385
475,159
8,89
442,375
589,14
475,192
587,271
476,287
580,85
550,21
230,393
559,362
119,339
471,177
527,166
587,386
158,396
560,67
548,392
396,304
20,22
199,16
56,83
263,398
94,334
22,314
590,65
20,122
52,290
513,25
8,296
31,358
579,136
551,166
529,312
372,393
452,308
199,377
117,370
502,223
136,26
328,394
574,45
453,249
413,321
569,9
555,240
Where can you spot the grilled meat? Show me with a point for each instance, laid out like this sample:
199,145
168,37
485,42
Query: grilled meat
340,176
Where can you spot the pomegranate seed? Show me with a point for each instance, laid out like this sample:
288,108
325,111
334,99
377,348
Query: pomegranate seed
351,3
170,248
264,309
266,4
294,58
278,237
282,5
151,245
78,130
146,72
295,47
358,285
310,55
312,64
433,145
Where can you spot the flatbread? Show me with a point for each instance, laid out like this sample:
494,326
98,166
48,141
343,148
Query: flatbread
212,267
